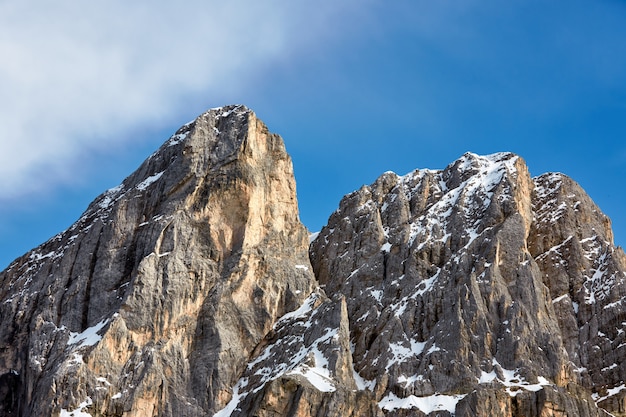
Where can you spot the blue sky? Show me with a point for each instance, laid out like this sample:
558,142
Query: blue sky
355,89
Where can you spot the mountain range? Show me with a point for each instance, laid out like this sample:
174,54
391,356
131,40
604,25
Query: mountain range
193,289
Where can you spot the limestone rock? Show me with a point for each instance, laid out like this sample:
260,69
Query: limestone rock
468,290
191,290
153,301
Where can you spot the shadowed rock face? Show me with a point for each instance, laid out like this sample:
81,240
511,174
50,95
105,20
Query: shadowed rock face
187,291
481,289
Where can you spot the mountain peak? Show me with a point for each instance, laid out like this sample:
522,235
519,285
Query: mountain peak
191,260
191,289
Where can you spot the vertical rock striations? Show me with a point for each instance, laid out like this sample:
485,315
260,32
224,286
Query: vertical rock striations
153,301
480,291
187,291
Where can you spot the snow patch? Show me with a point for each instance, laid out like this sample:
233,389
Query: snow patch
610,393
511,379
377,294
560,298
232,404
436,402
89,336
599,285
362,383
148,181
318,376
78,412
110,196
301,312
313,236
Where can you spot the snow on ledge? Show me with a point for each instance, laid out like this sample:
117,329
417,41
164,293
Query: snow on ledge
151,179
78,412
318,376
89,336
361,383
436,402
511,379
313,236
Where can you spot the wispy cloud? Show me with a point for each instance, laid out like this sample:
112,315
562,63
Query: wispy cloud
75,73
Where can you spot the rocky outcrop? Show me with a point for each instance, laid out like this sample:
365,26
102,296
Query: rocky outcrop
469,288
191,290
153,301
572,243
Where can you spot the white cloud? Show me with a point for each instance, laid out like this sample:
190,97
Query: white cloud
75,75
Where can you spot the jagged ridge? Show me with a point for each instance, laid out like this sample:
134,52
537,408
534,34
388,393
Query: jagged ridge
187,290
460,292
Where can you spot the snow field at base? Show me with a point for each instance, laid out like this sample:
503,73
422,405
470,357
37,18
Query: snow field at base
441,402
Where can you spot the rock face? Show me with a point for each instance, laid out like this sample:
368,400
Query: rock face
153,301
187,291
480,291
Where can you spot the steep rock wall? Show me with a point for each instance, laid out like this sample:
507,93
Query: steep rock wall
152,302
452,300
475,290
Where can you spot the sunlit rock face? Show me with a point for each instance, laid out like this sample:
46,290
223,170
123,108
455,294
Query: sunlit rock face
191,290
153,301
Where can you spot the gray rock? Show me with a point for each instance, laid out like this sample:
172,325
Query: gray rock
153,301
450,292
189,290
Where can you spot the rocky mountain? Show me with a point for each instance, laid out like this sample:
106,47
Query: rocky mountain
480,291
192,290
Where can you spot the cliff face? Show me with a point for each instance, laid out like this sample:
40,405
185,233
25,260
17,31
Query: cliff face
153,301
188,291
479,289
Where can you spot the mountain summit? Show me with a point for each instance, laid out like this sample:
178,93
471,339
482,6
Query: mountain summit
191,290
